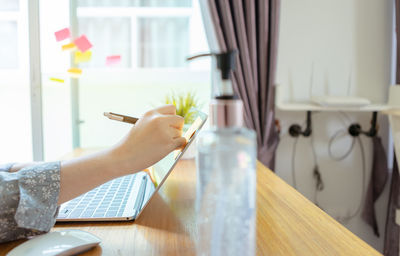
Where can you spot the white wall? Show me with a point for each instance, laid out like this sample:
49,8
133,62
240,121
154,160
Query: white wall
347,41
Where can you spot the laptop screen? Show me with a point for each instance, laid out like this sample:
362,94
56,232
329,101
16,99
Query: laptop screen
159,172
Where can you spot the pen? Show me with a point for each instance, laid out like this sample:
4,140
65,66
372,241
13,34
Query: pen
121,118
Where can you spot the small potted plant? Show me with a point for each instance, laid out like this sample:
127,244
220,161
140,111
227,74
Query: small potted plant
186,104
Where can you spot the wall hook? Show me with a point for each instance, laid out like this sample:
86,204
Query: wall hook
355,129
295,130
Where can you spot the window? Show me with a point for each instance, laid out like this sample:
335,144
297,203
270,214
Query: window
163,42
9,43
100,30
153,38
15,124
146,37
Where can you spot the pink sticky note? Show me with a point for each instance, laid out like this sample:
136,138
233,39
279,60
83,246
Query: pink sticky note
83,43
113,59
62,34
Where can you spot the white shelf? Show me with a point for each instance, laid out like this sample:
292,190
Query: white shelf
310,106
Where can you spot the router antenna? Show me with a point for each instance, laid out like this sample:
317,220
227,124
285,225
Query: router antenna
311,80
326,83
290,82
349,82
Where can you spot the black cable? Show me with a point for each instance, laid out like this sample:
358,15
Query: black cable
319,183
341,132
362,152
346,153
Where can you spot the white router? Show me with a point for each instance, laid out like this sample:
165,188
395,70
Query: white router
340,101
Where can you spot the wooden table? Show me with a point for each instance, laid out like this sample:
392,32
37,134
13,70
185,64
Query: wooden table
287,223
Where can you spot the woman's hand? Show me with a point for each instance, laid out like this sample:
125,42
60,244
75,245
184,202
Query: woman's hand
156,134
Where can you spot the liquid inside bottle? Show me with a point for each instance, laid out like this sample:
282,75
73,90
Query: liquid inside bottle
226,192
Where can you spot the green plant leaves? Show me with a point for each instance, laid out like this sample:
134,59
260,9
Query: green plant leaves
184,103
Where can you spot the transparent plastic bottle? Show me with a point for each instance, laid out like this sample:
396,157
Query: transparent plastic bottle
226,172
226,191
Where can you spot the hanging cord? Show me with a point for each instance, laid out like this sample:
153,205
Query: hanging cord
343,132
319,186
345,219
319,183
296,140
338,134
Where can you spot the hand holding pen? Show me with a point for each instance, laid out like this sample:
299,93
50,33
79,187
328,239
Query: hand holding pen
157,133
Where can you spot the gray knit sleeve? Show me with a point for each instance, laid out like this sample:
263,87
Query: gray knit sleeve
28,200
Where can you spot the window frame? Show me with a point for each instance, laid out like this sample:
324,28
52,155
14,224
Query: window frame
35,80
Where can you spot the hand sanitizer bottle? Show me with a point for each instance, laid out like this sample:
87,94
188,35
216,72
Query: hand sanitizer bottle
226,175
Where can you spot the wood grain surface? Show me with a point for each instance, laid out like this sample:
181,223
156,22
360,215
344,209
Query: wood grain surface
287,223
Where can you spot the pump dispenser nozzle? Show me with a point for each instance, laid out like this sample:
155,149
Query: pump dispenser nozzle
226,110
225,63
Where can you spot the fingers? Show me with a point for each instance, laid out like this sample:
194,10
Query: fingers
179,142
175,121
175,133
166,110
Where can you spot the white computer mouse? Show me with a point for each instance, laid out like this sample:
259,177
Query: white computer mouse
64,242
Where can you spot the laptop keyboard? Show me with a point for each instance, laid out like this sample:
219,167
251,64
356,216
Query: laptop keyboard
107,200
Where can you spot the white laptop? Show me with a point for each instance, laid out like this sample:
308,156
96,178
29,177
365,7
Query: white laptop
125,198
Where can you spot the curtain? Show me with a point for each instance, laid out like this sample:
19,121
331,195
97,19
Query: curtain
251,27
378,179
391,245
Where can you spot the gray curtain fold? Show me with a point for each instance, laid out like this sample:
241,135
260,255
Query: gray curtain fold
391,244
251,27
379,176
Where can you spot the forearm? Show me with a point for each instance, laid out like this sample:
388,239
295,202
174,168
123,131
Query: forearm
82,174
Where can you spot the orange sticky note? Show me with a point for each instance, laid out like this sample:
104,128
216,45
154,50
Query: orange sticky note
69,46
82,56
75,72
57,80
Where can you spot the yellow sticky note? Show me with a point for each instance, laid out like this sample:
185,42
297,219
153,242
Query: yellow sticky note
82,56
75,72
57,80
70,46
